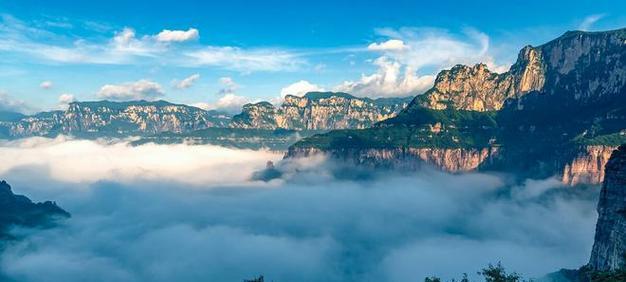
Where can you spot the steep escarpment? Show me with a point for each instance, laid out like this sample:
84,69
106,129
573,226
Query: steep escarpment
18,210
319,111
116,119
609,248
558,111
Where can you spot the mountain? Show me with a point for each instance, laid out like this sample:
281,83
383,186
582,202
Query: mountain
560,109
104,118
240,138
609,248
314,111
18,210
319,111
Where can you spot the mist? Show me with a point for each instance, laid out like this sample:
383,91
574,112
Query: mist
191,213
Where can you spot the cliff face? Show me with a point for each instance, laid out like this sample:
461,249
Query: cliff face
558,97
21,211
319,111
478,89
587,166
123,118
609,248
452,160
586,65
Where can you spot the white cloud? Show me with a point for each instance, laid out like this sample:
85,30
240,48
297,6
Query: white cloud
230,103
177,35
228,85
234,58
64,101
300,88
389,45
392,79
187,82
126,42
410,51
126,48
138,90
589,21
46,84
10,104
66,98
190,213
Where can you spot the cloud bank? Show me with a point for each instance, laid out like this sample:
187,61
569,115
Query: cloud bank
138,90
187,213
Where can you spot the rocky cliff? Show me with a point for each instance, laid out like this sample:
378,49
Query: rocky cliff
609,248
557,111
116,118
18,210
319,111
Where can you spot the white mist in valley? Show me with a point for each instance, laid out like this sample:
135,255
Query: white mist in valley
191,213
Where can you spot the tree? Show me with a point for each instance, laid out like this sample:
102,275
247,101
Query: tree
498,274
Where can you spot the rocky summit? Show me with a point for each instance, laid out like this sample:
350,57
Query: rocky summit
319,111
609,249
18,210
559,110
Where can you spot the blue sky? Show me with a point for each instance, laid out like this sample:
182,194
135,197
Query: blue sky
220,55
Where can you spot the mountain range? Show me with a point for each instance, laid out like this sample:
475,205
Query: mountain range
559,110
313,111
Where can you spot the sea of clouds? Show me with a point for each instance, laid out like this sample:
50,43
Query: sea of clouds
191,213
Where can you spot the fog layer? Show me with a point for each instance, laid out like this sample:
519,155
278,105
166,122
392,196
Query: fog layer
189,213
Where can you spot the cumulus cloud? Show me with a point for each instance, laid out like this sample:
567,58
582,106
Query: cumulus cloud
10,104
229,86
126,47
389,45
45,84
187,82
137,90
66,98
177,35
230,103
299,88
178,212
410,57
589,21
391,79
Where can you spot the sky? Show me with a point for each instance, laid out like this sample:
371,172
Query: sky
220,55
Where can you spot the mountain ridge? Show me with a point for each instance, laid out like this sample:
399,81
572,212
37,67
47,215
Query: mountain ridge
568,97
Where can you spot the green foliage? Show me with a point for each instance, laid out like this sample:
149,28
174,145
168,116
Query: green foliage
497,273
492,273
423,128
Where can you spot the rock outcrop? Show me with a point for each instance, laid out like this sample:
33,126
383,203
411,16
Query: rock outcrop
319,111
116,119
452,159
609,248
587,166
18,210
557,97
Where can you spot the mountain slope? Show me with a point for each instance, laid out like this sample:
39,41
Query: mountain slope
18,210
319,111
557,103
106,118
